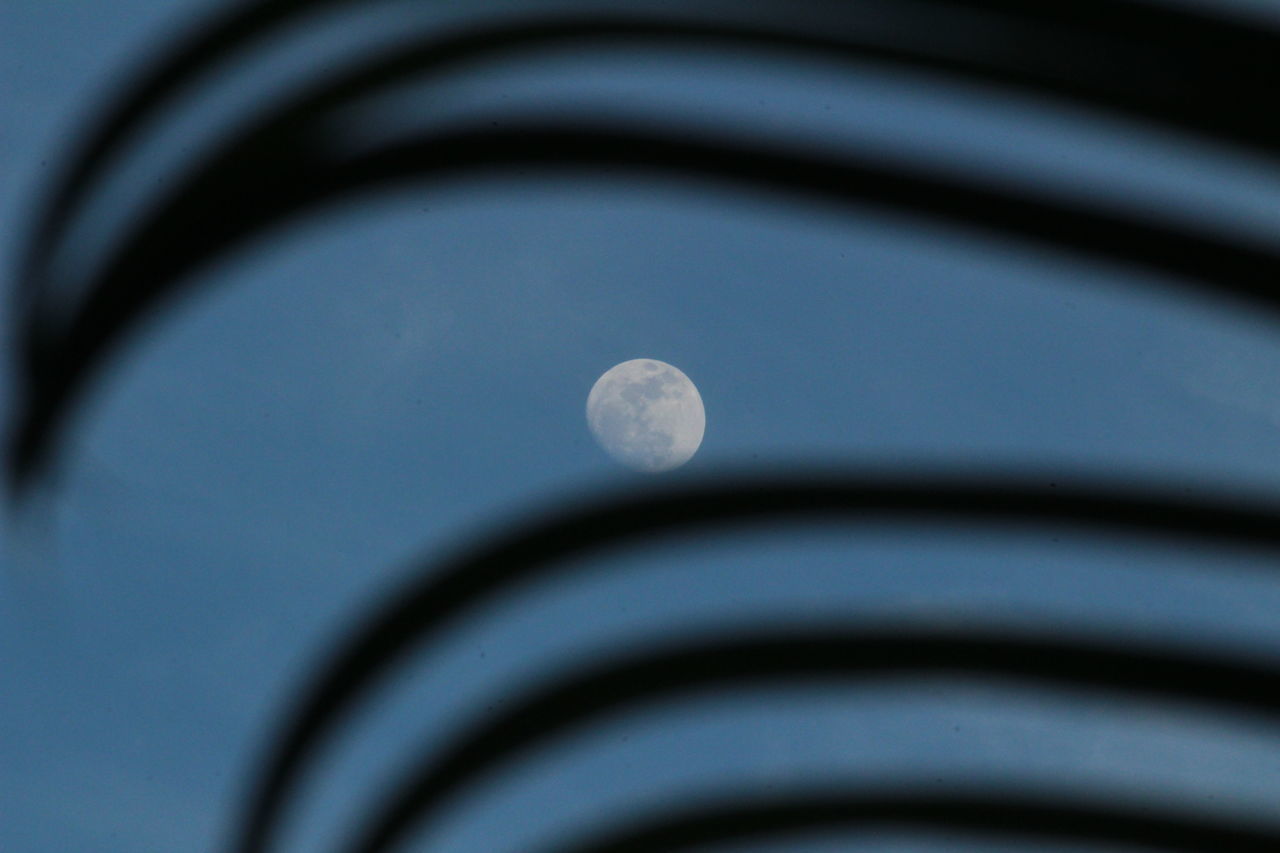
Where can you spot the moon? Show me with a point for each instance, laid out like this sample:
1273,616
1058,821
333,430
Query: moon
647,415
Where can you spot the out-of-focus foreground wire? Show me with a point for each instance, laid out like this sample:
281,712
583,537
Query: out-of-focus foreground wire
1185,72
1205,54
181,237
802,655
444,594
1021,812
284,164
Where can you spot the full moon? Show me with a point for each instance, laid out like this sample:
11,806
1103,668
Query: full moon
647,415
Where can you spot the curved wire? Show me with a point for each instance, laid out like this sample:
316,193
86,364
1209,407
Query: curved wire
1012,811
443,593
802,655
286,177
1199,50
435,55
57,366
1191,71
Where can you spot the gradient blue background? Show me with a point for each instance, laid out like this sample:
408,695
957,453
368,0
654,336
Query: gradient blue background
385,381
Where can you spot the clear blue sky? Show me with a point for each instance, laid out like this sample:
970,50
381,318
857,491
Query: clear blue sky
388,379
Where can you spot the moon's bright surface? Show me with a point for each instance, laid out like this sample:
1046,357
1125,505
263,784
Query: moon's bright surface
647,415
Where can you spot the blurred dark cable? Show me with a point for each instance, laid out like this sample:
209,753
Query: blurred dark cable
1186,72
800,655
1215,67
278,182
443,594
1195,49
1019,812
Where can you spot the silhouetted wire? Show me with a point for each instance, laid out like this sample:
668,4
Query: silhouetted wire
56,367
444,593
1022,812
802,654
1184,70
1219,67
229,202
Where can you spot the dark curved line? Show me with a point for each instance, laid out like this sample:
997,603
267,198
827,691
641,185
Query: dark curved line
284,178
435,55
1215,116
43,350
802,655
275,5
149,90
1008,811
443,593
1240,58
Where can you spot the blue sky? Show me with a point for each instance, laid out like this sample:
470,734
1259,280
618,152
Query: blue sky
387,380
